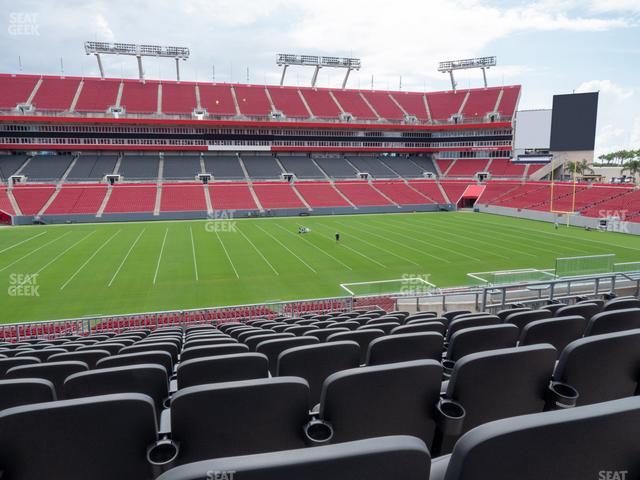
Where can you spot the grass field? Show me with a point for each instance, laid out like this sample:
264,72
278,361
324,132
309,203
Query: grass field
92,269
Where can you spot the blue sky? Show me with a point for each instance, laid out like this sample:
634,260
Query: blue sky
546,46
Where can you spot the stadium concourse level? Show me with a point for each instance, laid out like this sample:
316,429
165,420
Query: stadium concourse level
152,185
94,96
377,395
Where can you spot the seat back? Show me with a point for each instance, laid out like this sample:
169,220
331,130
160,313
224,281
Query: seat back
601,367
391,399
150,379
405,347
168,347
323,333
107,436
572,444
436,327
253,341
90,357
586,310
122,360
272,348
8,363
521,319
400,458
361,337
55,372
470,322
478,339
621,303
212,351
222,368
239,418
613,321
558,332
315,363
518,378
23,391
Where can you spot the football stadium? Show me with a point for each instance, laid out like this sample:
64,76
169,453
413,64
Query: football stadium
226,278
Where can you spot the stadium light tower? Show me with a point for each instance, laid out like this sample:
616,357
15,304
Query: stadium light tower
138,51
466,64
286,59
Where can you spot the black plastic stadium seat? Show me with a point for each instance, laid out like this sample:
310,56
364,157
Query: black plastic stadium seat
400,458
601,367
503,314
500,383
212,351
112,347
315,363
386,327
42,355
405,347
122,360
323,333
90,357
139,347
206,341
454,313
559,332
613,321
223,368
621,303
55,372
521,319
149,379
469,322
239,418
23,391
300,330
273,348
420,328
361,337
8,363
586,310
598,441
478,339
253,341
98,438
393,399
252,332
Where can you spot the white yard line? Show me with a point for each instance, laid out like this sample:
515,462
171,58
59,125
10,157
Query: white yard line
20,243
125,258
34,251
289,250
343,245
164,240
193,250
228,256
61,254
389,240
314,246
259,252
432,245
89,259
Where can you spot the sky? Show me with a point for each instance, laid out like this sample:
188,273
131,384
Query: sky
547,46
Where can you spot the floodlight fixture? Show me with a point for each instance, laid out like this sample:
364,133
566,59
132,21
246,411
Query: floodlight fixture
286,59
479,62
138,51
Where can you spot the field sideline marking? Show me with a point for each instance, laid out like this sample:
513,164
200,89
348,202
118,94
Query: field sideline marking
193,249
34,251
89,259
228,256
384,249
160,256
60,255
315,246
357,252
259,252
125,258
20,243
432,245
289,250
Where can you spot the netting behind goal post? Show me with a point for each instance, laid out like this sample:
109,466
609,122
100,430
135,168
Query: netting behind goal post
400,286
504,277
585,265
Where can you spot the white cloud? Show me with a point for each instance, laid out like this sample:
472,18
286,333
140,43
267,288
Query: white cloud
606,87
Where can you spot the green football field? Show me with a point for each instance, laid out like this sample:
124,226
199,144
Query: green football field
68,271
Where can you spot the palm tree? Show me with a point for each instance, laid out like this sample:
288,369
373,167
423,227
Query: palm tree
580,168
631,166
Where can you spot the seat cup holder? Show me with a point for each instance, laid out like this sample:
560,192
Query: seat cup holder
162,455
447,366
450,417
561,395
318,432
